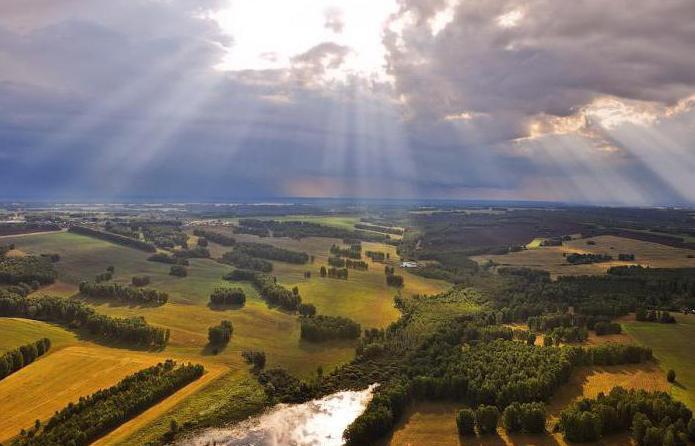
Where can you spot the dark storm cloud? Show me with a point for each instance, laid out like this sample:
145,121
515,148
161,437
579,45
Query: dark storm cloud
102,99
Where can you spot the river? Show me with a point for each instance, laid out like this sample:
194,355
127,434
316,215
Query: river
319,422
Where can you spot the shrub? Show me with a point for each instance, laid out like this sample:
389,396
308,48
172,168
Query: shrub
671,376
220,334
465,422
178,271
486,418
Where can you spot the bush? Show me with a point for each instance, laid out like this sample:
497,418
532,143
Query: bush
671,376
486,418
257,359
307,310
394,280
178,271
220,334
140,280
465,422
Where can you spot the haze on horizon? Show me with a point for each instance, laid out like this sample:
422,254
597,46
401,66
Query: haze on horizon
588,101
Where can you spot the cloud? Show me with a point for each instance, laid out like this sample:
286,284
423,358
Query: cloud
584,101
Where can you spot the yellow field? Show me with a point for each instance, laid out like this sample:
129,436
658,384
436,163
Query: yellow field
550,258
41,388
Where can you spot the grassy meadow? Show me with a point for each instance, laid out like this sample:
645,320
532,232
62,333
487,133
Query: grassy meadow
550,258
671,346
228,390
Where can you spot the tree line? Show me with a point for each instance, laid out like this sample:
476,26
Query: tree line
22,356
377,228
76,314
322,328
113,238
124,293
166,258
228,296
82,422
268,288
270,252
301,229
244,261
351,252
217,237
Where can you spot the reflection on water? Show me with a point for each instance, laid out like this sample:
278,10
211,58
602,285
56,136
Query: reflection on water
316,423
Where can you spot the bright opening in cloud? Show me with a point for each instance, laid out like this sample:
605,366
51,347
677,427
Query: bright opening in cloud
269,35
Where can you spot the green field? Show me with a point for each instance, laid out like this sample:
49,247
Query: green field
233,393
672,348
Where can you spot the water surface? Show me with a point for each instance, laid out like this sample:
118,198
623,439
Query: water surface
319,422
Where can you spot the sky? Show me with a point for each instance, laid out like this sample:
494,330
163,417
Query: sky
585,101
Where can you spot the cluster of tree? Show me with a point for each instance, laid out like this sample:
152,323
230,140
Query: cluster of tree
121,229
306,310
270,252
124,293
524,417
394,280
93,416
381,414
351,252
228,296
654,418
484,418
22,356
334,273
178,271
357,264
140,280
280,386
217,237
663,317
197,252
28,269
565,334
74,313
220,334
323,328
607,328
337,262
626,257
166,236
269,290
377,256
166,258
302,229
114,238
255,358
377,228
103,277
242,260
202,242
583,259
554,241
